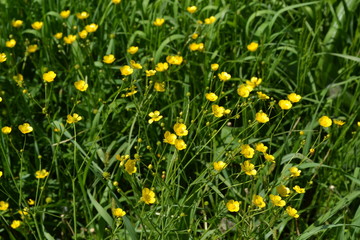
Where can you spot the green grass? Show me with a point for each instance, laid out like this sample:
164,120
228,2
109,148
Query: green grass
307,47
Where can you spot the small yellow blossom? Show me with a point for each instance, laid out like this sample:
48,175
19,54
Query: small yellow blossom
244,90
81,85
133,49
285,104
224,76
260,147
116,2
169,138
82,15
155,116
49,76
180,144
150,73
70,39
233,206
253,46
214,66
194,36
11,43
248,168
247,151
6,130
4,206
269,157
16,23
338,122
358,123
126,70
295,172
175,60
312,151
180,129
2,57
108,59
74,118
118,212
258,201
298,189
91,27
159,86
262,96
122,158
220,165
210,20
277,201
135,65
254,82
148,196
161,67
1,174
197,47
65,13
292,212
15,224
37,25
219,111
83,34
301,133
283,190
132,91
41,173
325,121
212,97
25,128
158,22
293,97
24,212
58,35
31,202
191,9
130,167
262,117
32,48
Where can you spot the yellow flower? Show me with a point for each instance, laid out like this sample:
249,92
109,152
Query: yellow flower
261,117
19,79
83,34
214,66
122,158
218,111
150,73
37,25
258,201
210,20
220,165
1,174
2,57
132,92
41,173
339,122
295,172
6,130
4,206
358,123
49,76
285,104
116,2
298,189
24,212
247,151
155,116
212,97
25,128
108,59
262,96
74,118
180,129
260,147
133,49
130,167
191,9
180,144
224,76
277,201
244,90
292,212
58,35
158,22
254,82
159,86
293,97
70,39
196,46
15,224
269,157
81,85
16,23
82,15
233,206
161,67
325,121
169,138
118,212
194,36
175,60
65,13
11,43
32,48
126,70
31,202
148,196
91,28
283,190
248,168
253,46
135,65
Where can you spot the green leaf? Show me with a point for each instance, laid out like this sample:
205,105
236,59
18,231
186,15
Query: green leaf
103,213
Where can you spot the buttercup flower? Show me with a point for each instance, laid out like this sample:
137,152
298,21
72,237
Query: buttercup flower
118,212
194,36
130,167
32,48
6,130
1,174
298,189
180,129
135,65
261,117
155,116
325,121
197,46
211,97
191,9
41,173
31,202
219,111
180,144
19,79
258,201
148,196
25,128
17,23
220,165
260,147
283,190
116,1
269,157
233,206
338,122
83,34
285,104
2,57
161,67
210,20
70,39
159,86
133,49
74,118
65,13
169,138
214,66
295,172
4,206
253,46
158,22
244,90
248,168
247,151
15,224
108,59
175,60
58,35
91,27
37,25
293,97
82,15
126,70
262,96
224,76
292,212
11,43
49,76
254,82
150,73
81,85
277,201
